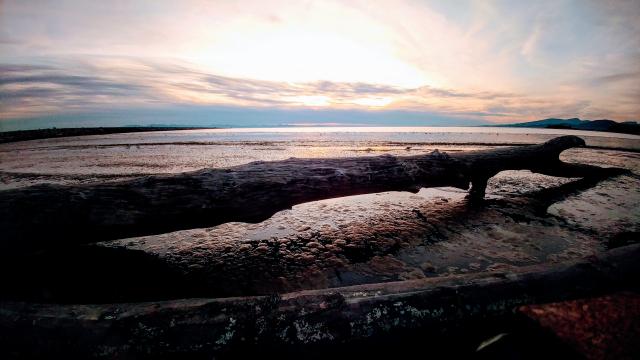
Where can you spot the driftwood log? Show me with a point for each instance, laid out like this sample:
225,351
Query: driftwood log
45,216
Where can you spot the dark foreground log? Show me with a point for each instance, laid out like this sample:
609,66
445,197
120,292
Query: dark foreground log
52,215
369,316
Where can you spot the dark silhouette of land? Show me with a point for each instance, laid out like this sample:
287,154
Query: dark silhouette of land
24,135
628,127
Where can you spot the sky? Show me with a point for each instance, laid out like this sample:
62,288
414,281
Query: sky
238,63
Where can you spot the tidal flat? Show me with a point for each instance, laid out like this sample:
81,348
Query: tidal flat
527,219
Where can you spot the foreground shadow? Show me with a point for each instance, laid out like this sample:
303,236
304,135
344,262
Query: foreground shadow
98,274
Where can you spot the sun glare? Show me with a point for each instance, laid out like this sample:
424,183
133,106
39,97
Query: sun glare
373,102
299,53
312,100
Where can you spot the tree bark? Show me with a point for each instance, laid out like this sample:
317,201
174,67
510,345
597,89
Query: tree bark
45,216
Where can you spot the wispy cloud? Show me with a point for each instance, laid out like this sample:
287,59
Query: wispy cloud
630,76
125,82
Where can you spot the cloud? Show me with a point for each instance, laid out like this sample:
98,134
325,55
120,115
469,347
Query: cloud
30,90
448,93
633,76
528,49
177,83
85,84
95,84
27,90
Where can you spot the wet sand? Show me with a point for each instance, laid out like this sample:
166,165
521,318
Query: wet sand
528,219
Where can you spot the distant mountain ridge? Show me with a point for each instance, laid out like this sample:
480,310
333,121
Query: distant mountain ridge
628,127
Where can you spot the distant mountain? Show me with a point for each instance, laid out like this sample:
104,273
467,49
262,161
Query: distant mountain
628,127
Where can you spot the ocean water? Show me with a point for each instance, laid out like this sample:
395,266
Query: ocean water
104,157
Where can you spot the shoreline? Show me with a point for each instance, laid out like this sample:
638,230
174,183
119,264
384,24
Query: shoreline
38,134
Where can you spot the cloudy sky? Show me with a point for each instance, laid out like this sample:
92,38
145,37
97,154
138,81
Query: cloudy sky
457,61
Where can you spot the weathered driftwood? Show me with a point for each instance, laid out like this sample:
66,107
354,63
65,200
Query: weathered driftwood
329,320
53,215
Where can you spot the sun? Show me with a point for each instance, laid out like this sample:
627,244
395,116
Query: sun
298,52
